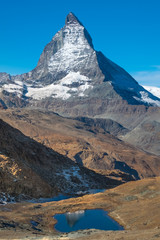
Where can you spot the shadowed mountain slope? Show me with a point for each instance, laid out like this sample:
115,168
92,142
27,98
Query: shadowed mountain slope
88,145
30,169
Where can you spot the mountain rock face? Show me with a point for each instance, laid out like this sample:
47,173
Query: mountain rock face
145,136
88,143
29,169
71,78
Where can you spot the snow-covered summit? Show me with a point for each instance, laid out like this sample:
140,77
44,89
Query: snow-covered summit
70,50
73,52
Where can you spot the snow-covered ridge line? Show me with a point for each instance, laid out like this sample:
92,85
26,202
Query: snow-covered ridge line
146,99
154,90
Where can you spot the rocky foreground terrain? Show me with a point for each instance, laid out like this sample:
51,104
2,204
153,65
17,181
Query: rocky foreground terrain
135,205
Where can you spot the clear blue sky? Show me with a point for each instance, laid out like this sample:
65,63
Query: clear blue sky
126,31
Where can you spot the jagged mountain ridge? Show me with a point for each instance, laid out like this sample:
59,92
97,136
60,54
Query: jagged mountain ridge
72,78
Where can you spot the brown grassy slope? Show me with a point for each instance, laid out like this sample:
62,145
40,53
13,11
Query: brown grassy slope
90,146
30,168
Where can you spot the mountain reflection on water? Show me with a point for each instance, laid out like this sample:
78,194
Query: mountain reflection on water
73,217
85,219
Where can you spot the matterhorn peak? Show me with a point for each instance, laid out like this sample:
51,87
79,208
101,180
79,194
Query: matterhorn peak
70,72
72,19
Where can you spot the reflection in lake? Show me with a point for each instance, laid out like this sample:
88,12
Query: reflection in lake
73,217
85,219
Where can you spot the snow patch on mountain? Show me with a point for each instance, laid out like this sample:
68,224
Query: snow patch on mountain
74,172
145,98
154,90
12,88
75,178
73,83
6,198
